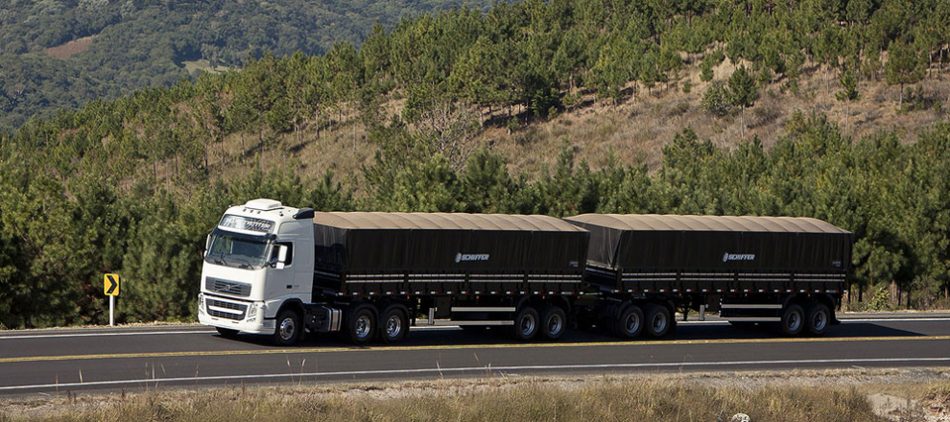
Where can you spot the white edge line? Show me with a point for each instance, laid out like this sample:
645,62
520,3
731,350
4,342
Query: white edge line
474,369
133,333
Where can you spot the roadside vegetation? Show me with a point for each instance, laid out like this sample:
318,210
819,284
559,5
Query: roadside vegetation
433,115
874,395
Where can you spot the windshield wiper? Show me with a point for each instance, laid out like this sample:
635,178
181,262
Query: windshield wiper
219,260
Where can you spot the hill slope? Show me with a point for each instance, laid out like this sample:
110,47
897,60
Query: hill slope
65,53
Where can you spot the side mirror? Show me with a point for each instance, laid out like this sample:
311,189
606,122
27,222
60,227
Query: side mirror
281,257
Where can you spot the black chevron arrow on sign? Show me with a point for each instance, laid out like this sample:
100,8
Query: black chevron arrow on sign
113,284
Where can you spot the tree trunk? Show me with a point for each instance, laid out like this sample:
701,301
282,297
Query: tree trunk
260,149
860,292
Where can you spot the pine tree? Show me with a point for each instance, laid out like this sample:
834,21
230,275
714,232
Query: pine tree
904,66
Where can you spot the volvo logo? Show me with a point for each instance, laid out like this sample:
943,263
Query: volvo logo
726,257
470,257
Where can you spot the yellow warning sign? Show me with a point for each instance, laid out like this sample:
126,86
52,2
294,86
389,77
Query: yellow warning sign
111,284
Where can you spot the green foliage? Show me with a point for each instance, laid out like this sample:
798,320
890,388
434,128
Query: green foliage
904,66
716,99
140,44
523,54
742,88
849,86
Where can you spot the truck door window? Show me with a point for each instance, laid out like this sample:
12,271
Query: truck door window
290,253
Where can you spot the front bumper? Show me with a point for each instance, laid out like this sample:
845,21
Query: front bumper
247,317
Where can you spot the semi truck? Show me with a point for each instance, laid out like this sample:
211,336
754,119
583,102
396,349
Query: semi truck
287,272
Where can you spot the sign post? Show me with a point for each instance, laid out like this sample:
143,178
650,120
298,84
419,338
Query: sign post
110,285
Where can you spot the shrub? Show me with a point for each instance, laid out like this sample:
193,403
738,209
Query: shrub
716,99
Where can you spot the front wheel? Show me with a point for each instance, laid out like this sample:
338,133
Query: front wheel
288,328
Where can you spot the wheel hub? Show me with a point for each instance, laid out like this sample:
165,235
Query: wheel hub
659,323
287,329
632,323
555,324
363,326
393,326
527,325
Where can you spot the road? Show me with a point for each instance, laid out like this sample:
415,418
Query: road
132,358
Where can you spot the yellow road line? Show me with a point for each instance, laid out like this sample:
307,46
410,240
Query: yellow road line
22,359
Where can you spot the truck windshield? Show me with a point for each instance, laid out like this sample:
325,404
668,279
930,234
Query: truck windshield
237,250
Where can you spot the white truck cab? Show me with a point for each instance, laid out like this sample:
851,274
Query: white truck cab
257,261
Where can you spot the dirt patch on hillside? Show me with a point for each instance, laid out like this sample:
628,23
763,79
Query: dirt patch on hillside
71,48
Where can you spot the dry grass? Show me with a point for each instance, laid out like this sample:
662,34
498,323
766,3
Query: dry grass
71,48
773,396
632,131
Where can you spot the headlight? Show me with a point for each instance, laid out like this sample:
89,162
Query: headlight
201,303
254,309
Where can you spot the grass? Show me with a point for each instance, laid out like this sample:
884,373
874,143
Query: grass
70,48
786,396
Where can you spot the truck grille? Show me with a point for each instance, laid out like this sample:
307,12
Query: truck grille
240,308
227,287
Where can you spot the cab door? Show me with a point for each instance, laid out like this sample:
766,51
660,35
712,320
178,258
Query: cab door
294,277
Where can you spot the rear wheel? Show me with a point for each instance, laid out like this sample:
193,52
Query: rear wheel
394,324
818,318
658,320
227,332
361,324
553,322
288,328
526,323
793,320
630,323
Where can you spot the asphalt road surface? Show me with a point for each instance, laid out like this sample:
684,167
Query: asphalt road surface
135,358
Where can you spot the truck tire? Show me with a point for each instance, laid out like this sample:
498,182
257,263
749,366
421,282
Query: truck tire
553,322
361,324
817,318
288,328
629,325
393,324
658,320
227,332
526,323
793,320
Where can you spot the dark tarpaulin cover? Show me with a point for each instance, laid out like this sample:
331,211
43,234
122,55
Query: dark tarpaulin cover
376,242
630,242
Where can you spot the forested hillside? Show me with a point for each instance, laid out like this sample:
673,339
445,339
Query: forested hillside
133,185
132,44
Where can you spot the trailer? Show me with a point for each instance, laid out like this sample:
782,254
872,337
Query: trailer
777,270
284,272
471,270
